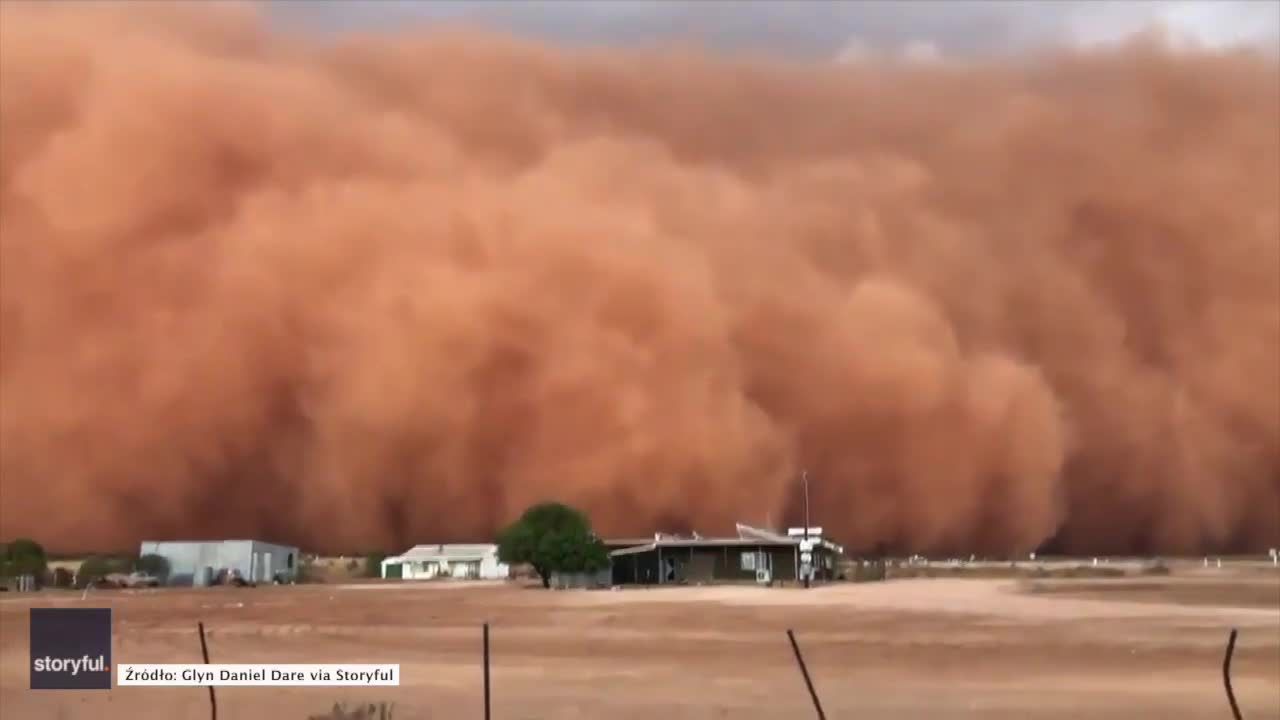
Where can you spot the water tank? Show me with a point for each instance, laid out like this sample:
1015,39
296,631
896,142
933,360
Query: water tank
203,576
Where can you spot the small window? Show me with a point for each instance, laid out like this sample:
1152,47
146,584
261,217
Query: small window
288,561
749,561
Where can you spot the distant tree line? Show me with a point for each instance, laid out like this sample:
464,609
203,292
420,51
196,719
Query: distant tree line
549,537
26,557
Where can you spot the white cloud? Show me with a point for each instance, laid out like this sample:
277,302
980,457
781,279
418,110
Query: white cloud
921,51
853,50
1188,24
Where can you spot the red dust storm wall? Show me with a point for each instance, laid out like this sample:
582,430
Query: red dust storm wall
373,290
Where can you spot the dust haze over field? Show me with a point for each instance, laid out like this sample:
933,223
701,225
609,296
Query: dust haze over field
389,289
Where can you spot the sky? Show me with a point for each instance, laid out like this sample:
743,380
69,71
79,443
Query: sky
815,29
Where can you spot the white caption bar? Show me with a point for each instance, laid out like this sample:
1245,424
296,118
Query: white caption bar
346,675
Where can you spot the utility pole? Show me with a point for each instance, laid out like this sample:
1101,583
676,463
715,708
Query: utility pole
804,479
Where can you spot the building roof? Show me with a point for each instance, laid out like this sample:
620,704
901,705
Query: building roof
748,536
436,553
223,541
625,542
692,542
746,532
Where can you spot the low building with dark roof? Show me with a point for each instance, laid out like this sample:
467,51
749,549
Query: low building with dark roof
755,555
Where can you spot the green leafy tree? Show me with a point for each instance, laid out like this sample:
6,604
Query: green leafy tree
96,567
552,537
156,566
23,557
373,564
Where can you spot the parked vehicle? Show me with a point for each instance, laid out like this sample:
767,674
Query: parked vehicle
130,580
232,576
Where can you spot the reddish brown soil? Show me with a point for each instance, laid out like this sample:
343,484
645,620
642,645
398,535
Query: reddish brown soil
944,648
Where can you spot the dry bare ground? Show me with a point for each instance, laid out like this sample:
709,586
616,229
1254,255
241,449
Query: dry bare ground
941,648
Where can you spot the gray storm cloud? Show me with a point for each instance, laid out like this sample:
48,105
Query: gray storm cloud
818,28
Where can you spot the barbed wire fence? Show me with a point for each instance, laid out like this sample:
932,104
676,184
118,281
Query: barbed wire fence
383,711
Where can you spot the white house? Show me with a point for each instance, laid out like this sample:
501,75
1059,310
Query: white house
424,562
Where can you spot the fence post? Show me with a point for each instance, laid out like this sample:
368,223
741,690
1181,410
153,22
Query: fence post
486,671
805,672
1226,674
204,651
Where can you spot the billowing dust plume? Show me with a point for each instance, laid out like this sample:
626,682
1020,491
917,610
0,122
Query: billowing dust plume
385,290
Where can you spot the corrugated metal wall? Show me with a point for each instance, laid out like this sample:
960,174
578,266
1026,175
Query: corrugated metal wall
600,578
197,563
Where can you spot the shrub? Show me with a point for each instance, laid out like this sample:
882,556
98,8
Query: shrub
381,711
96,567
373,564
155,565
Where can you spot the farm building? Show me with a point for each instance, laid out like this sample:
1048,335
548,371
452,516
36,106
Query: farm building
755,555
424,562
200,562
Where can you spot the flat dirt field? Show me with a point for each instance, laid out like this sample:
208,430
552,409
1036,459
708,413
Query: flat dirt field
929,648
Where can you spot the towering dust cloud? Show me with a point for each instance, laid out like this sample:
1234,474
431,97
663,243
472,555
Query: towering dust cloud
393,289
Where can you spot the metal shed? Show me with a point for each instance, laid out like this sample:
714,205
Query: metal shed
199,562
